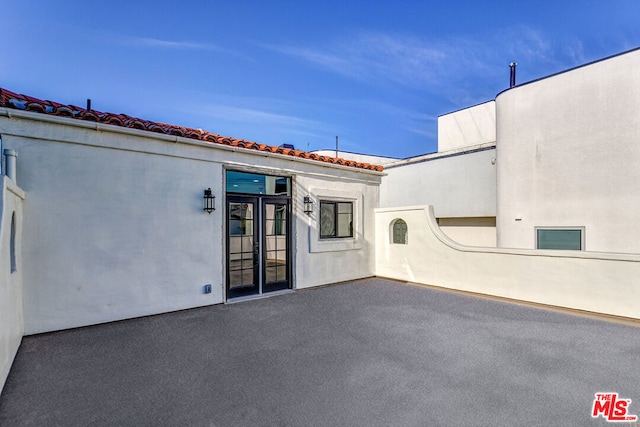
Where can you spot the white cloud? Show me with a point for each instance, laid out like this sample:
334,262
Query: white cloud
324,59
402,59
439,65
168,44
153,43
250,115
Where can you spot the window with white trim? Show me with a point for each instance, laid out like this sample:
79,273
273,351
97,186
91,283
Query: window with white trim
563,238
336,219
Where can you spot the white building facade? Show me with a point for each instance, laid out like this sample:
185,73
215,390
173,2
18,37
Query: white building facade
568,157
115,228
106,217
459,181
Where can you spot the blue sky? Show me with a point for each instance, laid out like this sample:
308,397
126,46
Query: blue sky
375,73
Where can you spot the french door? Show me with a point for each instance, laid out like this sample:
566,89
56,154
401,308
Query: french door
258,244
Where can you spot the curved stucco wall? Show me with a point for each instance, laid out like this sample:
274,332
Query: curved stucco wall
596,282
11,318
568,155
467,127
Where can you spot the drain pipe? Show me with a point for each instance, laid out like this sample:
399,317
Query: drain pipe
10,163
512,76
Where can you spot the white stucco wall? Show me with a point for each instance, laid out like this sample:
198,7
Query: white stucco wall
479,231
335,260
596,282
470,126
568,155
457,185
11,319
114,228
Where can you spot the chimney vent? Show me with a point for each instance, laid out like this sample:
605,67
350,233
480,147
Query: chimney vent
512,77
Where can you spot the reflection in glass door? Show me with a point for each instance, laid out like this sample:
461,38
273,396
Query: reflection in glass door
258,244
276,244
242,247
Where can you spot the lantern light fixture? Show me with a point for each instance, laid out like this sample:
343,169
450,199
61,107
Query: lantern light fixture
208,201
308,205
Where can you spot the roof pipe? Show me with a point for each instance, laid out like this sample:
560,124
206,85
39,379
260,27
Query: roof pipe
512,76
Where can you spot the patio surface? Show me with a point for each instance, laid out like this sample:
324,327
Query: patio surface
372,352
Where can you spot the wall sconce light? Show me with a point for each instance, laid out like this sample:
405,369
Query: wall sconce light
208,201
308,205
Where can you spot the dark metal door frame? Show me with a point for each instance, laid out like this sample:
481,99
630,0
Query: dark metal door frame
242,276
271,265
266,263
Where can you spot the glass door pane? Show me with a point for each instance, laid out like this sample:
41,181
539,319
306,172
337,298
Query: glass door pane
242,248
276,244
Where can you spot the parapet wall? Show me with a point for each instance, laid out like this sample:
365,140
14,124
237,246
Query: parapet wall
11,317
597,282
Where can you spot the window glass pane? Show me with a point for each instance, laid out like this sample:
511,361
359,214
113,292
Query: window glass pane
269,227
336,219
235,244
240,219
247,209
345,207
235,279
281,242
345,219
253,183
235,263
280,219
236,227
560,239
345,228
282,186
271,256
272,274
247,277
400,232
247,227
327,219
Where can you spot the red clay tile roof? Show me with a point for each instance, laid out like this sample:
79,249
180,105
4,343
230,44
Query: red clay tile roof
9,99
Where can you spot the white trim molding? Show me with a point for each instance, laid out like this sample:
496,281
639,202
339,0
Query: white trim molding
341,243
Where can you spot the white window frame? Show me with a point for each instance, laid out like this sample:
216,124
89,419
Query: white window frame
316,244
336,217
581,229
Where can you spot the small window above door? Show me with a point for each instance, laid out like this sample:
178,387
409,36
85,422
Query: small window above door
254,183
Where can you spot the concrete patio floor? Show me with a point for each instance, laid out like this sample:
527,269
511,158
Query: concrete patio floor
364,353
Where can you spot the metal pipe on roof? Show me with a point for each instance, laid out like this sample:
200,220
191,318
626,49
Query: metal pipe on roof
512,74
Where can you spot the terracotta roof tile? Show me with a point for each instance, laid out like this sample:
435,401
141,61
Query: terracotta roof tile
9,99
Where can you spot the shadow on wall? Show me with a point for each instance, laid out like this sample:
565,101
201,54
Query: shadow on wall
598,282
